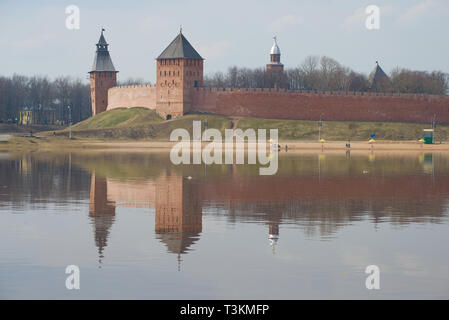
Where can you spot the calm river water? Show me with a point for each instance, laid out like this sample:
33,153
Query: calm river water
140,227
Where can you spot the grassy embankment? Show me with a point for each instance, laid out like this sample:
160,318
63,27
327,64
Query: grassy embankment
140,123
143,124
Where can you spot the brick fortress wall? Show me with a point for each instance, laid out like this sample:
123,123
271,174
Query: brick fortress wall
303,105
310,105
132,96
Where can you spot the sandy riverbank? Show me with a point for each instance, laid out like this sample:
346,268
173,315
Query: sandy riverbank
61,143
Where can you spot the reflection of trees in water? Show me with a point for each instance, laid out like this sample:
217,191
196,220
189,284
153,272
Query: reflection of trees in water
324,217
29,180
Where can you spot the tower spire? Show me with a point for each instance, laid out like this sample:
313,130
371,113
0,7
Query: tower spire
102,45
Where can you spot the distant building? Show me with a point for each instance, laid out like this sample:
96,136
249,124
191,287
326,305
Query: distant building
37,115
275,69
275,64
378,79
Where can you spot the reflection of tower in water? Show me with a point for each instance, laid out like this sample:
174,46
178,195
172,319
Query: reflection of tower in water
101,212
178,210
273,234
273,219
178,214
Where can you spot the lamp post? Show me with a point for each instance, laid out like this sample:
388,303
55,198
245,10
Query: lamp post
70,121
434,125
320,124
205,128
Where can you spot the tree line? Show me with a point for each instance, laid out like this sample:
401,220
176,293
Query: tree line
38,92
326,74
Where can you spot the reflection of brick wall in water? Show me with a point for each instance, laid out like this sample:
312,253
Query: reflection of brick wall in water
282,188
134,194
282,104
178,208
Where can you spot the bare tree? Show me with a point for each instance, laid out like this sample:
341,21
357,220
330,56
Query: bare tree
39,93
324,73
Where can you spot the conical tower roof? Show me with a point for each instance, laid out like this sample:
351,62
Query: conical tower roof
180,48
102,59
178,242
102,40
377,77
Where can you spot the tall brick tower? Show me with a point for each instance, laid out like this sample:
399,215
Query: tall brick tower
179,69
102,76
275,69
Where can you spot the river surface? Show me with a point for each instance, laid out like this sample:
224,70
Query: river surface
139,227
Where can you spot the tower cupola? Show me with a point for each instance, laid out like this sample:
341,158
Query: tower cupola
275,65
275,48
275,53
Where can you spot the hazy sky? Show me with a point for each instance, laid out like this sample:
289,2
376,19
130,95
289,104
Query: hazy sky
35,40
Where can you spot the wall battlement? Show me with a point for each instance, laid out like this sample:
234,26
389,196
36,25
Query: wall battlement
313,105
133,86
324,93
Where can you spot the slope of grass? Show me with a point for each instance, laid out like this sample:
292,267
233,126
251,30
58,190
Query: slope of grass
120,117
141,123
